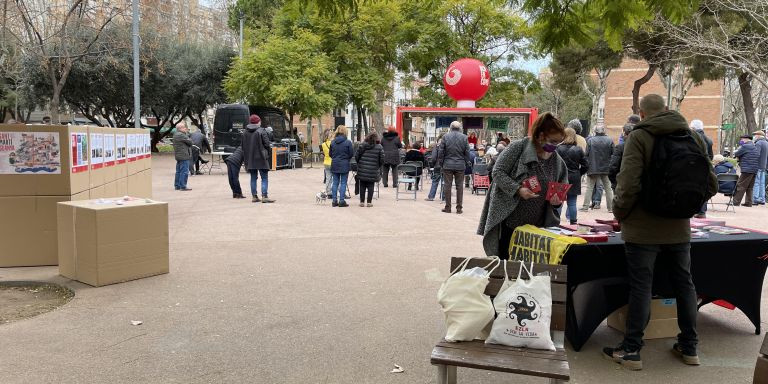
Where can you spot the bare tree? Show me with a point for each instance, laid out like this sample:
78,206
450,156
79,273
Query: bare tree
60,35
731,34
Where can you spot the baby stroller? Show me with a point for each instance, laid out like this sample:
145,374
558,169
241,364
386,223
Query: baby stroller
480,179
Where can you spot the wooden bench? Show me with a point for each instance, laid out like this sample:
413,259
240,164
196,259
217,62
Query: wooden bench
447,356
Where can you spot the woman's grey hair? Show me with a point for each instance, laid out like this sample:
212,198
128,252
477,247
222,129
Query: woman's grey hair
575,124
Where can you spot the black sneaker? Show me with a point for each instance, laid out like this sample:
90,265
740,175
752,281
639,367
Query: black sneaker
334,203
688,356
627,359
343,204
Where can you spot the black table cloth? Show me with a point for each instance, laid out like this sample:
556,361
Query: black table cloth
724,267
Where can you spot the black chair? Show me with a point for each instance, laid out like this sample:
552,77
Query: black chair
726,177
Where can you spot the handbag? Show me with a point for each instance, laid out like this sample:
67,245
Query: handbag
468,310
524,312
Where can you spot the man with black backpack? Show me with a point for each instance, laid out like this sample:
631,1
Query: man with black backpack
665,177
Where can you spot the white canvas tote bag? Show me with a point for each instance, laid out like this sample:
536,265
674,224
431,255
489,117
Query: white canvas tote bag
468,310
524,312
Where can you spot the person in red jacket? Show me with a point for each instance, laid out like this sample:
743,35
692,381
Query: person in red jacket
472,139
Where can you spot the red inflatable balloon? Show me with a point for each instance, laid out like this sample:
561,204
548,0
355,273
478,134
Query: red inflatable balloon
466,81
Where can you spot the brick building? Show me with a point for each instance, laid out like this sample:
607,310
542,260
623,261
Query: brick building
703,102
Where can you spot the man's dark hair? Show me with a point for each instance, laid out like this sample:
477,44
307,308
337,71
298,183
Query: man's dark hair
417,146
372,138
633,119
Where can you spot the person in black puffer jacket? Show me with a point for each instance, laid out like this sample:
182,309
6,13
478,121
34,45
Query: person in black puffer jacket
576,162
370,159
391,144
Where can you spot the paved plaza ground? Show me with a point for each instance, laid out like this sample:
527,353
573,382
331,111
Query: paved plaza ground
296,292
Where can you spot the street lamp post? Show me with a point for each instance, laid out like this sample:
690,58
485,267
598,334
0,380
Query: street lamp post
136,88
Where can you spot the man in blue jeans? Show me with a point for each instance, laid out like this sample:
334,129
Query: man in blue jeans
256,151
758,197
182,151
648,236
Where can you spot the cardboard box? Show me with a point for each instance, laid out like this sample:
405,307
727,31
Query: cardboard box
110,156
140,184
122,187
43,160
108,190
121,153
663,323
106,243
761,371
28,229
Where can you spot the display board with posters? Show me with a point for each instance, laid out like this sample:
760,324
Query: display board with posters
30,153
110,156
79,150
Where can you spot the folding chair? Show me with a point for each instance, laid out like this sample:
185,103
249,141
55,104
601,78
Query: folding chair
406,176
419,172
726,177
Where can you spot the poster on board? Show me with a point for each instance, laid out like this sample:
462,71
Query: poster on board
109,150
120,149
30,153
78,143
97,150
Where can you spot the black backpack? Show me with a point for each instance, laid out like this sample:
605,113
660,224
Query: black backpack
675,183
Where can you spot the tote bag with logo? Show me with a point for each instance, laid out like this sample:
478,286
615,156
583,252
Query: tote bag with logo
468,310
524,312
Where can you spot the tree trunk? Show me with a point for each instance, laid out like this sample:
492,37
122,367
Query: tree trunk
365,123
745,85
377,118
639,83
359,123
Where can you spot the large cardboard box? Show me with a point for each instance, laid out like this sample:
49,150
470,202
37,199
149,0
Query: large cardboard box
28,229
140,184
121,153
110,155
663,323
122,187
107,243
761,371
105,191
43,160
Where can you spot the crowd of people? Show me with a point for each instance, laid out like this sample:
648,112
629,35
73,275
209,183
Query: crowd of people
628,173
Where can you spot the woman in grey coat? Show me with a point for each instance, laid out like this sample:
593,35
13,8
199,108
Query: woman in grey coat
509,204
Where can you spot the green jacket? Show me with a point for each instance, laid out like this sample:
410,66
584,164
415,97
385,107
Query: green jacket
638,225
182,146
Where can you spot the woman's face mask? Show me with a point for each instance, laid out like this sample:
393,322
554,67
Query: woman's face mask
550,144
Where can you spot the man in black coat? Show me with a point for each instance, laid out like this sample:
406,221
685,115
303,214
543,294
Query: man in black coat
200,145
391,144
370,158
599,150
453,159
234,162
256,152
618,152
